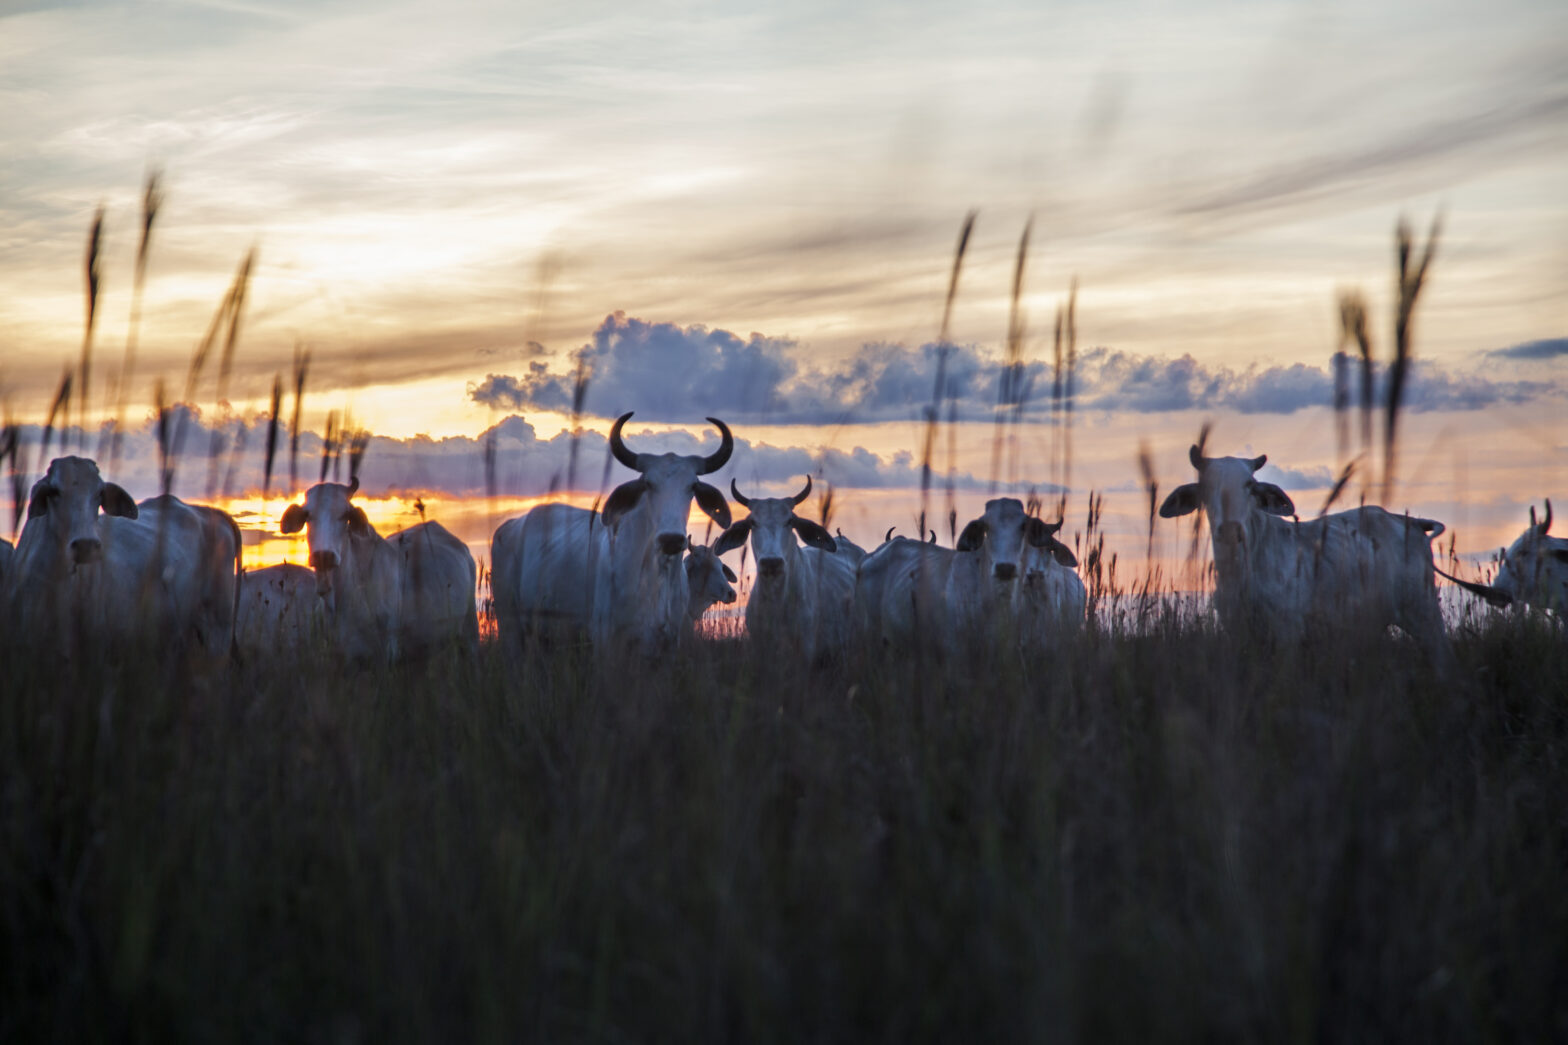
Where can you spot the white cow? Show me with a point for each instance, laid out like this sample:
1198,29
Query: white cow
162,573
1358,570
1051,597
850,550
803,596
385,597
708,580
620,571
986,580
279,611
543,565
901,593
1535,567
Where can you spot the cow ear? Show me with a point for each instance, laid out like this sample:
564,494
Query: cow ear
972,537
813,534
358,524
1272,499
712,502
294,519
1182,501
116,501
729,574
38,500
1063,554
733,537
622,499
1038,532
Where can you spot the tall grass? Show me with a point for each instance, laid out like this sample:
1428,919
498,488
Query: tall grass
1149,836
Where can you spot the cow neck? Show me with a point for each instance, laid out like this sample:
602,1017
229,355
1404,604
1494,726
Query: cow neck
643,576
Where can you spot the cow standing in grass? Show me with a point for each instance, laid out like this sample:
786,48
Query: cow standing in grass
385,597
1535,567
708,581
1354,571
987,579
901,593
94,568
618,573
803,595
279,611
543,565
1051,598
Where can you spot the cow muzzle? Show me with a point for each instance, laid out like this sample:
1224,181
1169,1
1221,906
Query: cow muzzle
86,550
1005,571
672,543
323,561
1231,535
727,598
770,567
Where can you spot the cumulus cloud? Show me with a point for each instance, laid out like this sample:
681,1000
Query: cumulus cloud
669,373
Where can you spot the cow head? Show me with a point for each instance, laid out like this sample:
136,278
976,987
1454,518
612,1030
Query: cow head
772,527
1226,490
707,578
1003,531
68,498
666,488
331,522
1535,567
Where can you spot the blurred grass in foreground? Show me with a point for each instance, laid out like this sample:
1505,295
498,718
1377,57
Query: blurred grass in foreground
1142,836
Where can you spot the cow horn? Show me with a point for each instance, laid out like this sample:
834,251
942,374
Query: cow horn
716,460
803,494
889,535
353,485
735,493
1259,461
618,448
1196,457
1546,523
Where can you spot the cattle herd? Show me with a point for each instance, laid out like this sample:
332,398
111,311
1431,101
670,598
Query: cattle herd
94,568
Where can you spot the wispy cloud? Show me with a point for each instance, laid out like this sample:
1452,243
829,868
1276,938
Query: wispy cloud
1546,348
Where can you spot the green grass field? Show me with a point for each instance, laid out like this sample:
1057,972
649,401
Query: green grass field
1150,836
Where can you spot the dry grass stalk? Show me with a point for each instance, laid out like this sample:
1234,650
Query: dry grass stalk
272,435
94,283
1339,488
939,390
152,203
1152,485
1010,391
329,445
1412,277
301,370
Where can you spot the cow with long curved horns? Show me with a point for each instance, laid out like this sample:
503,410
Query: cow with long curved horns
1535,567
619,571
1357,570
803,595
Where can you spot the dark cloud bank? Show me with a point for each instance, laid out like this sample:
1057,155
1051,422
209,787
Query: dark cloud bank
524,465
668,373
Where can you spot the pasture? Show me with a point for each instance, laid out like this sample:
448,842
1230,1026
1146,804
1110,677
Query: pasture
1145,832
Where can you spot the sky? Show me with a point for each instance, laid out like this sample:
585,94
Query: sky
750,211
